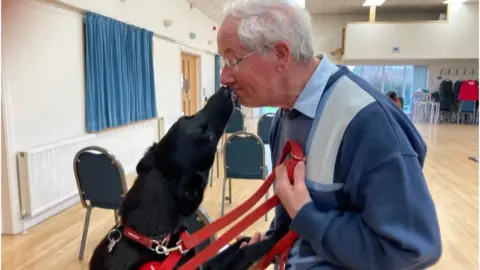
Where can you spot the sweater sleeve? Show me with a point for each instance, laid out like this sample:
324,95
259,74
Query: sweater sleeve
394,224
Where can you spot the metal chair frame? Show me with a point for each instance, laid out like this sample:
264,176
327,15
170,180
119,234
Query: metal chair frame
468,113
85,202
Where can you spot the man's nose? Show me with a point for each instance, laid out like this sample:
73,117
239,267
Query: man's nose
226,77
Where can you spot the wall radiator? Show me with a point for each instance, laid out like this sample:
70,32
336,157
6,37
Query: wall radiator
46,180
46,176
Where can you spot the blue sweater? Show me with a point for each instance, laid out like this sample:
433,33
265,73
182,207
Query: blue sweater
371,208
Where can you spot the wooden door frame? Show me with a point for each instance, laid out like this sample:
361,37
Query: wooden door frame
199,89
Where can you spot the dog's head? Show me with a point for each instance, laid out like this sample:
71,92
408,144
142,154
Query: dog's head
173,173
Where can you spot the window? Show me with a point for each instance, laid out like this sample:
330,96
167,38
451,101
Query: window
401,79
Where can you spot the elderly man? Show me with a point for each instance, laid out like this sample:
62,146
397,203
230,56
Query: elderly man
361,200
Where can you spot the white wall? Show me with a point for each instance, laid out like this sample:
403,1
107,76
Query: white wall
456,71
455,39
44,78
327,28
328,37
150,15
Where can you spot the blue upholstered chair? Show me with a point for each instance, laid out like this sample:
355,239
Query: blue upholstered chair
244,159
101,183
263,127
235,123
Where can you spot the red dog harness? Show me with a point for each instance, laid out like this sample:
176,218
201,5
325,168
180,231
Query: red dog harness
292,153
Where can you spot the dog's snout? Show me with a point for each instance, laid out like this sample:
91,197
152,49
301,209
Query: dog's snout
227,91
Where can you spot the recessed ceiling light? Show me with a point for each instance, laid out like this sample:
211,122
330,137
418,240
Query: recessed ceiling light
454,1
373,3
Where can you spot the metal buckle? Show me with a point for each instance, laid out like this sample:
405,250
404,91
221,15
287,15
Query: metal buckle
110,235
180,248
161,249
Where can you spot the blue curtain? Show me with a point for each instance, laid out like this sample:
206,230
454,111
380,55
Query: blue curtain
217,72
119,73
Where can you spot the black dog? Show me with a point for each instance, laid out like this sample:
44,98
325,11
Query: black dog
169,188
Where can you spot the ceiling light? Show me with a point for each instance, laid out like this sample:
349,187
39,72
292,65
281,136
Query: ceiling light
373,3
454,1
301,3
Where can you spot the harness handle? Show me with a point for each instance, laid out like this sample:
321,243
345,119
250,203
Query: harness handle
292,153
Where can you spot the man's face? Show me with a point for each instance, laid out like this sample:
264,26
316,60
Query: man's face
252,75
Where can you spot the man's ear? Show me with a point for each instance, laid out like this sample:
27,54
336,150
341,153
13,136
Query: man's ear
282,51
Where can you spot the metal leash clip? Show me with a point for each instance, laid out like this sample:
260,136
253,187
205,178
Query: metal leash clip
112,241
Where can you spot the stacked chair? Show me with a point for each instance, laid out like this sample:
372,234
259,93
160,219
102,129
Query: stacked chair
426,108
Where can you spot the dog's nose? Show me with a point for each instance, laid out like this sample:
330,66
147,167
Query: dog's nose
227,91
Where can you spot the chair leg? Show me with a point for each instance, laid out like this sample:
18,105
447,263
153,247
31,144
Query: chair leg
211,176
223,197
218,165
266,199
85,232
117,216
230,190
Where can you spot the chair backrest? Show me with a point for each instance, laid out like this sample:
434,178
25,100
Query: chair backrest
235,123
467,106
263,127
100,178
244,156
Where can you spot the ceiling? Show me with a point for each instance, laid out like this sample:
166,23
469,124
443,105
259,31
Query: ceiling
354,6
213,8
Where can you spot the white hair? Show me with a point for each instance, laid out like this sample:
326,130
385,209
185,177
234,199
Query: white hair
265,22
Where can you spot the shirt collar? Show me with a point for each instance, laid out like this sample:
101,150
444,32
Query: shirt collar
308,100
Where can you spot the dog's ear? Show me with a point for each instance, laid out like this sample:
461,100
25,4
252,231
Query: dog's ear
190,191
147,163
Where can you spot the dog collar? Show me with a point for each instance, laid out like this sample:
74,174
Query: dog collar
159,245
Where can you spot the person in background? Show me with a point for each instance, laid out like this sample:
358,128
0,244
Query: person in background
393,96
361,201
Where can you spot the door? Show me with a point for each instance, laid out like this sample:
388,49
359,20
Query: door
189,83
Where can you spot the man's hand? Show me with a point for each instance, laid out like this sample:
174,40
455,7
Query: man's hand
255,238
293,197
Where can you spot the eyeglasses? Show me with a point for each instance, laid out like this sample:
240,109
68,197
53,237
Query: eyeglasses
234,63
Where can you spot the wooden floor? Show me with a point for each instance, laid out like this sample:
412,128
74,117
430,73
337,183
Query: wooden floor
451,176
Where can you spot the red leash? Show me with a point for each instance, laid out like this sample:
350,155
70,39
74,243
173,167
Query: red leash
187,242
